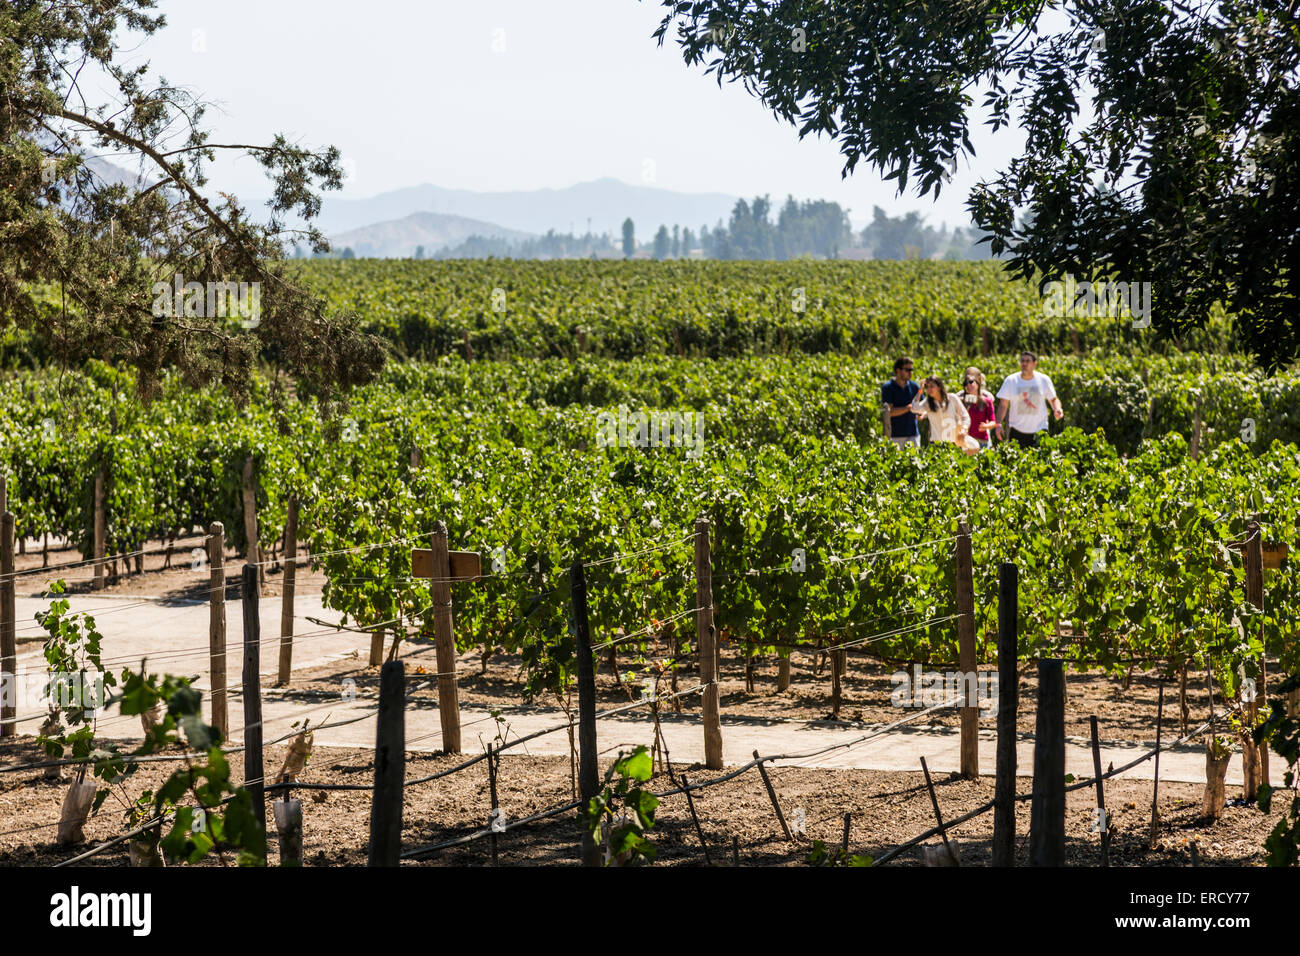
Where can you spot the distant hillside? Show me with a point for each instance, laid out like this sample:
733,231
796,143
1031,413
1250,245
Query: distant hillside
113,174
606,202
398,238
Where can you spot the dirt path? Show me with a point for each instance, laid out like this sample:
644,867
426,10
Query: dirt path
887,808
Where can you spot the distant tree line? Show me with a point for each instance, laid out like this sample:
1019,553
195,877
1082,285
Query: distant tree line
809,229
553,245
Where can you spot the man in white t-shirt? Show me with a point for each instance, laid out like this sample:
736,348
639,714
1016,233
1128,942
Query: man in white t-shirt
1023,401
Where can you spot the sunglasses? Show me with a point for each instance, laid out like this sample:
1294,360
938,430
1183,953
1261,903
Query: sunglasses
907,368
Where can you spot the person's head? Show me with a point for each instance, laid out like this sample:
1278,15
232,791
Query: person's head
973,381
935,393
1028,362
903,368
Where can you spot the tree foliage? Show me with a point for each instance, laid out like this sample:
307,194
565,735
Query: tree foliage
1159,138
102,244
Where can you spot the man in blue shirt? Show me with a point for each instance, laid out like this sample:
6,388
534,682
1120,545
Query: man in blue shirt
897,395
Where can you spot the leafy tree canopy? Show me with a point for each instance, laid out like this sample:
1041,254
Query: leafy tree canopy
1159,137
104,246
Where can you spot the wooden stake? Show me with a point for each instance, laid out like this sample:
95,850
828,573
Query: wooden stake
934,802
1254,756
286,600
970,715
390,767
735,851
8,633
848,823
1194,446
776,805
100,529
1004,810
783,674
253,553
217,625
492,759
1101,793
1184,712
440,590
699,831
708,647
588,779
252,691
377,648
1155,783
288,823
1047,807
835,681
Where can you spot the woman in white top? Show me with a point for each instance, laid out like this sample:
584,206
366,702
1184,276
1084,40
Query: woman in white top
949,420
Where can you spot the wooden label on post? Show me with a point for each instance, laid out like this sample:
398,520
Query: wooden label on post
465,565
1274,555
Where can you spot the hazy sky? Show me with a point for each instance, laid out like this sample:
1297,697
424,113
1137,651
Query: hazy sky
500,95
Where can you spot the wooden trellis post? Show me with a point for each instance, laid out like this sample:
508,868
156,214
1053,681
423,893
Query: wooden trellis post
217,625
588,772
286,600
1004,810
8,638
100,532
252,691
442,567
1253,757
390,767
970,715
706,636
1047,809
254,551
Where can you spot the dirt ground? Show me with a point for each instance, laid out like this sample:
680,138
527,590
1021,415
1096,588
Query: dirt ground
865,692
157,575
1122,714
886,809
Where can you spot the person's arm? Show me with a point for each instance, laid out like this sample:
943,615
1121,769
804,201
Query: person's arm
993,417
963,417
894,410
1052,399
1004,408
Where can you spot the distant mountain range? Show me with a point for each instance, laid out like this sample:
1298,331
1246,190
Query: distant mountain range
395,224
399,238
604,203
114,175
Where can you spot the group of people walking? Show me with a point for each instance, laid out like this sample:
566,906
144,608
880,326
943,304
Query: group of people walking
969,419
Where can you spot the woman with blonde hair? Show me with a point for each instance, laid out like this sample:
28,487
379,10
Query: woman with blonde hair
980,405
949,420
